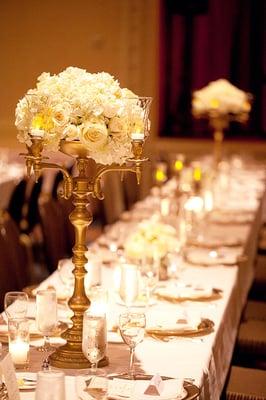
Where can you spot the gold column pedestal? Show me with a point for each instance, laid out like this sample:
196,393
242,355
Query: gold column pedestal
70,355
79,188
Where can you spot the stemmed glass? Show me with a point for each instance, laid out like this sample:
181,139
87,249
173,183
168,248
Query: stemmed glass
132,329
149,271
46,318
129,284
94,339
16,305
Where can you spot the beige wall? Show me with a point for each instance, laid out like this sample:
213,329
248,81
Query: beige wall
117,36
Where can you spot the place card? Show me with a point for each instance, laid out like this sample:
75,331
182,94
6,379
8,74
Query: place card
8,372
156,386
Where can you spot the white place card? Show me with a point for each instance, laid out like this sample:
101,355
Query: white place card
8,372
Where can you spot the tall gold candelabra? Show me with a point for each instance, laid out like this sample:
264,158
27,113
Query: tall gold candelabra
79,188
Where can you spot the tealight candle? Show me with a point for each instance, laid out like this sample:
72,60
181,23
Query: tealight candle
19,352
137,135
18,341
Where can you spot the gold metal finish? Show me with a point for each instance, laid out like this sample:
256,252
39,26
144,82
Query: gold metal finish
79,188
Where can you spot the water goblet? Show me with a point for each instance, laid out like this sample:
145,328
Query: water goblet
129,284
50,385
132,329
16,305
149,271
46,318
94,339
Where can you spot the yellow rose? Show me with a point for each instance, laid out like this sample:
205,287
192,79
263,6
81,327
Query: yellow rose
94,135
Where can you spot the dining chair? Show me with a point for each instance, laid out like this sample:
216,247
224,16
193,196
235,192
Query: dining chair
15,257
255,310
54,231
250,350
246,384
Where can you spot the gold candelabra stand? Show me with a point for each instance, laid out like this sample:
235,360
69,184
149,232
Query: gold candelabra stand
79,187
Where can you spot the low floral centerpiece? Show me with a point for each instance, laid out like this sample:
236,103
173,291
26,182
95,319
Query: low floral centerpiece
76,105
151,239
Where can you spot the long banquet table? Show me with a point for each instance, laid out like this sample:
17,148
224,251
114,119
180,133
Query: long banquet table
205,359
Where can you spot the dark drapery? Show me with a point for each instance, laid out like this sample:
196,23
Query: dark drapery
204,40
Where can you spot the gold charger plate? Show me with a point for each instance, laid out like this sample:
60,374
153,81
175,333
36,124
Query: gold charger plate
61,327
191,391
216,295
204,328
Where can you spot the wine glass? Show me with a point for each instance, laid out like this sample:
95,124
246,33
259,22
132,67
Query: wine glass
16,305
132,329
129,284
149,271
46,318
94,339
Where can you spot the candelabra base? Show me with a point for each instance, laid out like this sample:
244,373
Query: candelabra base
68,358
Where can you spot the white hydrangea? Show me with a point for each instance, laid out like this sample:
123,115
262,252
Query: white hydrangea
77,105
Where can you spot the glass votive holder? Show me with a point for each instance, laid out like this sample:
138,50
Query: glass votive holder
50,385
19,341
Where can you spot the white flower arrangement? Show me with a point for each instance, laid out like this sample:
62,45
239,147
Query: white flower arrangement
151,239
221,97
77,105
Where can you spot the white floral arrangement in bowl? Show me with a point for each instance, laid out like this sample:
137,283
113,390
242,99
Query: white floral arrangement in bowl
221,97
151,239
76,105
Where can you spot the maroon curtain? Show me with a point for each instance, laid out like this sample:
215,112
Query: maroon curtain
204,40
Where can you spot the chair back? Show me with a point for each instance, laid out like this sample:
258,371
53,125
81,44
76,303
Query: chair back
54,232
14,260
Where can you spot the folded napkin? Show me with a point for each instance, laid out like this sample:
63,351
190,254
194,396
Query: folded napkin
185,321
135,389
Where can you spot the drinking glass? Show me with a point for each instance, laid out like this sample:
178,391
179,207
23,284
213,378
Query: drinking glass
50,385
132,329
94,339
46,318
149,271
129,284
19,341
16,305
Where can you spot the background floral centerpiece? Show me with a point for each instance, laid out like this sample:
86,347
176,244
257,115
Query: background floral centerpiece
151,239
79,106
221,97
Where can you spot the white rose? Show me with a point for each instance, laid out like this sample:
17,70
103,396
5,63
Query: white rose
60,115
72,132
110,110
117,124
94,135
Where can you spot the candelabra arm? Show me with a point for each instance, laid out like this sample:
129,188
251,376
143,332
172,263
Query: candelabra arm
96,183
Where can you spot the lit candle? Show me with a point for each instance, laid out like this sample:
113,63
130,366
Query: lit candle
197,174
19,352
137,135
178,165
129,284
